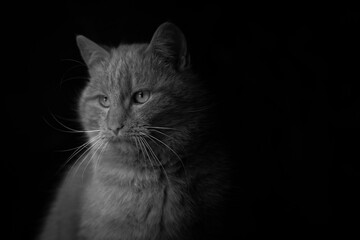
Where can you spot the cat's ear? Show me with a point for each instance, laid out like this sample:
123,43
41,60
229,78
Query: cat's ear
90,51
169,43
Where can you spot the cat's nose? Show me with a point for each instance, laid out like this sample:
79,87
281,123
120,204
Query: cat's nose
116,129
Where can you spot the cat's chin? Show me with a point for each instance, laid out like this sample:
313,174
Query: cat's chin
121,146
118,152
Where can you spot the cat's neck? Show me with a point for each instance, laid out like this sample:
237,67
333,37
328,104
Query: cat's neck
115,168
121,170
125,176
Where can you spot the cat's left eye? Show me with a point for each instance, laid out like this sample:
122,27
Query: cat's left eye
141,97
104,101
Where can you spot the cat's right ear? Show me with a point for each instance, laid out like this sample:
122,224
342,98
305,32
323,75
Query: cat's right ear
90,51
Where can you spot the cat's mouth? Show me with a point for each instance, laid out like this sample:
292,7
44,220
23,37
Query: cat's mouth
118,139
121,142
134,140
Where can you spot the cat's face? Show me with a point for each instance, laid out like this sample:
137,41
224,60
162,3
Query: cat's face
138,98
128,99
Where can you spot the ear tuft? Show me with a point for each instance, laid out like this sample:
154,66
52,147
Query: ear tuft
169,43
90,51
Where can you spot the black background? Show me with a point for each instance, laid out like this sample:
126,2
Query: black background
286,81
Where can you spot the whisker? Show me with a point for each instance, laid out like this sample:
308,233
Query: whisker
79,149
62,81
66,118
94,150
71,130
99,157
92,156
145,150
73,60
162,133
80,64
86,153
141,145
58,129
156,158
65,131
81,159
84,145
137,147
152,137
200,109
166,128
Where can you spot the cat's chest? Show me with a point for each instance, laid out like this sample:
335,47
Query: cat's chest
124,212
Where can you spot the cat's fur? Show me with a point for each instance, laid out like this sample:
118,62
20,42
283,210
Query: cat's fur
121,190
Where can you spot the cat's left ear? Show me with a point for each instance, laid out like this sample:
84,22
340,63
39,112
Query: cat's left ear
169,43
90,51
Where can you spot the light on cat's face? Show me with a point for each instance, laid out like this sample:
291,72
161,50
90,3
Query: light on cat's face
139,97
119,121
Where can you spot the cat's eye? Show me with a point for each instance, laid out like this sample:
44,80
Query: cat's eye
104,101
141,97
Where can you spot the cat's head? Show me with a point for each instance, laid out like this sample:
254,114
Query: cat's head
141,96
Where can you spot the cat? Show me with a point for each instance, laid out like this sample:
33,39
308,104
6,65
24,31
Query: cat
150,171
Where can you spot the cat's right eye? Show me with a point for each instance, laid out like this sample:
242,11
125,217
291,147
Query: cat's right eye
104,101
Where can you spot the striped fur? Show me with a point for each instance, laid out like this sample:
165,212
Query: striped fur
161,190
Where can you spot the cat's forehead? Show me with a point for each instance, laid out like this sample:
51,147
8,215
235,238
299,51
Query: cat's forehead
125,68
123,62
